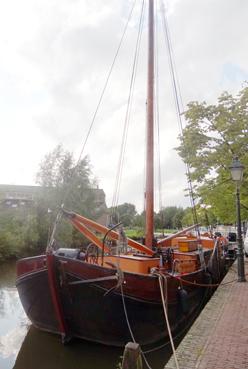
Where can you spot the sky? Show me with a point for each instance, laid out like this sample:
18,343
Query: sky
54,59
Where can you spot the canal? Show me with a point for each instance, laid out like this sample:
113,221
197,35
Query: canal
24,347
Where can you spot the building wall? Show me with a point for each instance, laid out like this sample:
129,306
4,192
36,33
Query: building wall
15,196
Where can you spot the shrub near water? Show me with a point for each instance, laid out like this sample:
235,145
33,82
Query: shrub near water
18,233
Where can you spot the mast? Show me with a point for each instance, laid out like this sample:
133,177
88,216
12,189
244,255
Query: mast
150,123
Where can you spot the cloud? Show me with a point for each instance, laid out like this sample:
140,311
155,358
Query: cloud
206,36
54,59
233,74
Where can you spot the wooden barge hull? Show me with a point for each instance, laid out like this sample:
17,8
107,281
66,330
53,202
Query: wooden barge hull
96,311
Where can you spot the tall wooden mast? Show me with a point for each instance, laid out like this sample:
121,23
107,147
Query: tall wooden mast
150,123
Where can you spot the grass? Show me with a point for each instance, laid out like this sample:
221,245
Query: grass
138,233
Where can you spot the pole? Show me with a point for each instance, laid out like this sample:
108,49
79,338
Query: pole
132,356
150,123
240,251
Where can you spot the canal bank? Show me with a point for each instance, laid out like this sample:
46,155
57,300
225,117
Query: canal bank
218,338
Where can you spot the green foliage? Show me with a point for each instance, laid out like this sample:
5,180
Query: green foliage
205,216
134,233
139,220
66,182
187,219
25,230
169,217
213,136
18,233
124,213
69,183
177,219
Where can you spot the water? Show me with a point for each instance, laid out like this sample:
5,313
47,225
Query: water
24,347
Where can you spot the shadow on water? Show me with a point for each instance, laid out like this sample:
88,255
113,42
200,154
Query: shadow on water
22,346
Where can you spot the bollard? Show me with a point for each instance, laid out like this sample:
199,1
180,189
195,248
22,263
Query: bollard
132,356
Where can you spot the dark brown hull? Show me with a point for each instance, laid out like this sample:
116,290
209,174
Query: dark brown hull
92,313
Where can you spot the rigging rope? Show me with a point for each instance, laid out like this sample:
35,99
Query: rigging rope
127,115
102,95
94,115
51,239
177,97
107,80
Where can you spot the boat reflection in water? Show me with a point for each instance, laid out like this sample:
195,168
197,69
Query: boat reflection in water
41,350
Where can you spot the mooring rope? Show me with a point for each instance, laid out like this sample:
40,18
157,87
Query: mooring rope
196,284
160,279
181,332
211,285
129,327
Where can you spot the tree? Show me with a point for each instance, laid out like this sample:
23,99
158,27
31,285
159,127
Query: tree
214,134
187,219
67,183
166,216
139,220
124,213
177,219
18,233
205,216
24,230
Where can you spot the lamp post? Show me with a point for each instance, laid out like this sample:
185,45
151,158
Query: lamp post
237,170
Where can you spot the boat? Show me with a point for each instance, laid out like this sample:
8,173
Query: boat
120,290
